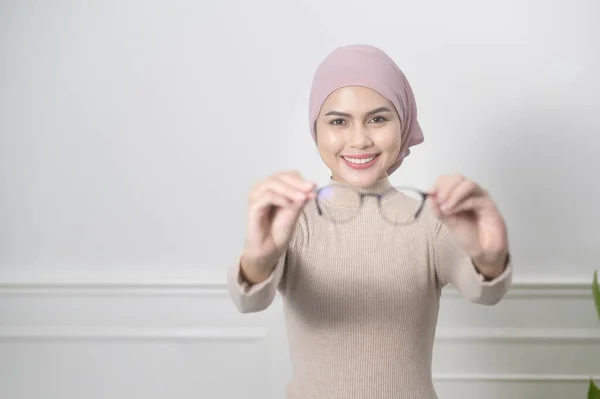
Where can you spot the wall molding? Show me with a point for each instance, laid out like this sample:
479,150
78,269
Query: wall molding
519,335
519,289
105,333
128,288
505,377
539,289
446,335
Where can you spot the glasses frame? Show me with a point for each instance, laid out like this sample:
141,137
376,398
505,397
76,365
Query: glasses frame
379,197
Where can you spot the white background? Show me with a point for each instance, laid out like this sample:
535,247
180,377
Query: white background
130,133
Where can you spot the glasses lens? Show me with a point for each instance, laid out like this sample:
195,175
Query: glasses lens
338,204
401,205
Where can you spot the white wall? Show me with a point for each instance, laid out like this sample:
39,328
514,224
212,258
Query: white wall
131,132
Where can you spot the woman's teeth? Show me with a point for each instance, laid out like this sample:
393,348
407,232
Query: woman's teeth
359,161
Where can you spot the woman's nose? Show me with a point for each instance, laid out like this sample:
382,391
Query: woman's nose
359,137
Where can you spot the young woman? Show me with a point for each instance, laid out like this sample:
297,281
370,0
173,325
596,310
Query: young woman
360,264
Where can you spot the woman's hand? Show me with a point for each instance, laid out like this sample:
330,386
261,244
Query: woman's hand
474,221
273,210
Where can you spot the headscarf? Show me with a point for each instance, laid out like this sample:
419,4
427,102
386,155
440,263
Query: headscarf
368,66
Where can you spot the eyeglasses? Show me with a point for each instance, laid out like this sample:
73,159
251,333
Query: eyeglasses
397,205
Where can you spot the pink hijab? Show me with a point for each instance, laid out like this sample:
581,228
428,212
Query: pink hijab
364,65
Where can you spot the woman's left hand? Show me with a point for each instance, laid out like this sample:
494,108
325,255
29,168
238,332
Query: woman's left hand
474,220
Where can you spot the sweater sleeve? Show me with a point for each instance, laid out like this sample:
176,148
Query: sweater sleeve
258,297
453,266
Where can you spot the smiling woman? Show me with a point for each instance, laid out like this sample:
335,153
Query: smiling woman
358,131
360,264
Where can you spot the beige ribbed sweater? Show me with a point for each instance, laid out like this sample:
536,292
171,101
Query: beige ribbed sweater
361,302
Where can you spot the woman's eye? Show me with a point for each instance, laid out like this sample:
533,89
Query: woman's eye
378,119
337,122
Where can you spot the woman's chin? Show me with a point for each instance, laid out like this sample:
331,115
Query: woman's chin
360,178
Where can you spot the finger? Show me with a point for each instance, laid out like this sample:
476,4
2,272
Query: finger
445,185
269,199
465,189
290,189
280,187
475,203
297,182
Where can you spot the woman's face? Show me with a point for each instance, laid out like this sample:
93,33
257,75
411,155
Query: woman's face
358,135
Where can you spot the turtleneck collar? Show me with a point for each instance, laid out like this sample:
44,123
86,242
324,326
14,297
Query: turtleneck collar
377,187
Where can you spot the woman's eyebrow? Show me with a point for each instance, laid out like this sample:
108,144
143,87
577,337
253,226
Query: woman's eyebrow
375,111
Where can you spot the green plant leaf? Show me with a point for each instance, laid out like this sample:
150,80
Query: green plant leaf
596,292
593,391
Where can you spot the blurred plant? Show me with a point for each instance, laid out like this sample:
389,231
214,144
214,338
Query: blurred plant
593,391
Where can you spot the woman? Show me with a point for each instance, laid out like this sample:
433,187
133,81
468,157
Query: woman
360,264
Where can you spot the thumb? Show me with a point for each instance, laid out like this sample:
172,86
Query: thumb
286,217
449,220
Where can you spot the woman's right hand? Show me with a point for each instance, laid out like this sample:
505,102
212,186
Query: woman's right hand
274,207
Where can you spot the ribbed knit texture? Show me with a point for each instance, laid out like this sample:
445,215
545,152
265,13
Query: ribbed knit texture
361,301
